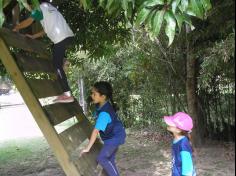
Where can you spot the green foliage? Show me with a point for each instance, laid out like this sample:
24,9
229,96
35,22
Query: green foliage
151,13
218,61
2,16
96,33
136,72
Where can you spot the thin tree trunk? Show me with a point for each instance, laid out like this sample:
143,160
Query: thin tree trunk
191,91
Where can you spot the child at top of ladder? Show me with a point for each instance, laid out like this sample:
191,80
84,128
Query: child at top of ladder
58,31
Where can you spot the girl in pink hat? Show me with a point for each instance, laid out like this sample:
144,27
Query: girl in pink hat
180,125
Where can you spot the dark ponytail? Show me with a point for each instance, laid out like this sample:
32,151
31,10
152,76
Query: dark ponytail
189,136
105,88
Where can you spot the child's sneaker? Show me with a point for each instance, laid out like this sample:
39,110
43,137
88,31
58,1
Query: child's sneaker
64,99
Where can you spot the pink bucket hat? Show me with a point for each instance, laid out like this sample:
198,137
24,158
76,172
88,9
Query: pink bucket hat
180,120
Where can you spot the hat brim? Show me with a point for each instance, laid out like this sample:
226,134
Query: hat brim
169,120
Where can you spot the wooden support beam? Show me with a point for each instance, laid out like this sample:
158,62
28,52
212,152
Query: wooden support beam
20,41
37,111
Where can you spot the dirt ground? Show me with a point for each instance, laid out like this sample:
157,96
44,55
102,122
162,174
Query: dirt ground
24,152
142,155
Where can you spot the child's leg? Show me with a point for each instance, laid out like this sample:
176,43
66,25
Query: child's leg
107,153
113,159
58,56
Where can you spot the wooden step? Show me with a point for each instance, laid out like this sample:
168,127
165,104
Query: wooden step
33,64
75,139
60,112
45,88
17,40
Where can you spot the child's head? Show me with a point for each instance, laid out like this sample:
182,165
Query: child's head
102,91
179,122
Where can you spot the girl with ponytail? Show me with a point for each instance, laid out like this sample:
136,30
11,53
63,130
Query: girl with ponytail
108,125
180,125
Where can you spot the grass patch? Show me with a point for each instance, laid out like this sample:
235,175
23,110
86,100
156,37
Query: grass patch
14,151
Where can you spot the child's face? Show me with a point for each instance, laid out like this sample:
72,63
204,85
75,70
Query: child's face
173,130
97,97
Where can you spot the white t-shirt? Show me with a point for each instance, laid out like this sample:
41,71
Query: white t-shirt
54,24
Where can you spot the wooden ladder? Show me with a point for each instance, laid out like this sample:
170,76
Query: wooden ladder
35,58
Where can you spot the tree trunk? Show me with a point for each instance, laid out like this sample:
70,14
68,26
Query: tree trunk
191,91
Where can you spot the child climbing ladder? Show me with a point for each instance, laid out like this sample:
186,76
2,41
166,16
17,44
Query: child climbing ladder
56,28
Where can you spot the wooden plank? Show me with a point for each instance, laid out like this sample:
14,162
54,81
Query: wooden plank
87,164
17,40
32,64
73,137
45,88
37,111
60,112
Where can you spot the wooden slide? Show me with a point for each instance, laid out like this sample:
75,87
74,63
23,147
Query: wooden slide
33,57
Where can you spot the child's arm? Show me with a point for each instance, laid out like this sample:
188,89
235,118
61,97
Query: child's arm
37,35
24,24
91,141
187,163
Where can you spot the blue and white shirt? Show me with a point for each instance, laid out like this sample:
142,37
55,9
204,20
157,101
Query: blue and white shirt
182,162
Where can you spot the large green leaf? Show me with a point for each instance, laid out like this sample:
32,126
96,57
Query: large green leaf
181,18
183,5
150,19
153,3
157,22
142,15
174,5
197,8
170,26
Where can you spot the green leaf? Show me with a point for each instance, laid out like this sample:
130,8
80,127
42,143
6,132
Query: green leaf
188,21
183,5
86,4
153,3
125,5
150,19
112,6
197,8
206,4
2,17
174,5
142,15
170,26
103,3
157,22
180,20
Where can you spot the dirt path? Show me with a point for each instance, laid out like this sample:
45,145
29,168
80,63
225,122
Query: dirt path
142,155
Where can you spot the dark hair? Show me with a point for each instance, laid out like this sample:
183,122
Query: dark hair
189,136
41,1
105,88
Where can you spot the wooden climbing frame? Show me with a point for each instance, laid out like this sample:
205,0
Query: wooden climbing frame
33,57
